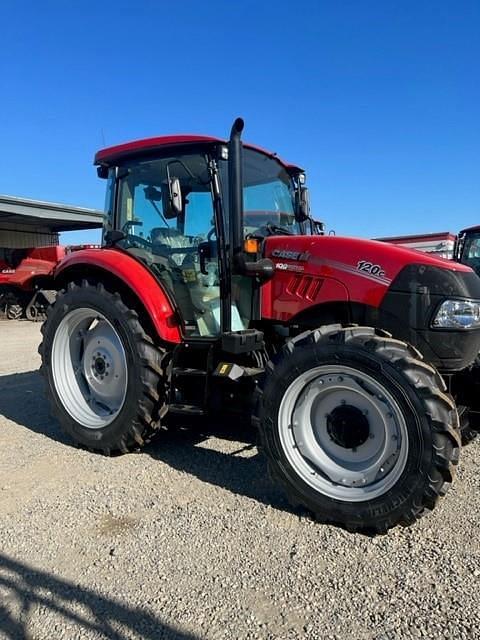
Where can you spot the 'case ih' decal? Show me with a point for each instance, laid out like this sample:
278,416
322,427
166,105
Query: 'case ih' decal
291,255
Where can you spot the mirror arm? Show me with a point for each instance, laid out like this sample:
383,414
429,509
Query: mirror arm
263,269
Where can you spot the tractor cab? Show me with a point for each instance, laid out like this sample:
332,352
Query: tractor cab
171,205
467,248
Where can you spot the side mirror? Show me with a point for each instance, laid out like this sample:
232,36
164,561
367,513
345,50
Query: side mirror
102,171
318,228
302,212
172,198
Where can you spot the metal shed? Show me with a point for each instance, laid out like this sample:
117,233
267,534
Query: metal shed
28,223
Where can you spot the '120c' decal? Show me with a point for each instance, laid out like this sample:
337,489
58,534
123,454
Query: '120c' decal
369,267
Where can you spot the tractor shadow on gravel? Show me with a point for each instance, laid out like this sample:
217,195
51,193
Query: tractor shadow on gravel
22,400
27,592
185,446
240,469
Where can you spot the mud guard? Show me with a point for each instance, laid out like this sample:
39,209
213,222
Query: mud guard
134,275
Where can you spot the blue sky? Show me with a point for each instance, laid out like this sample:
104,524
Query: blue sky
378,100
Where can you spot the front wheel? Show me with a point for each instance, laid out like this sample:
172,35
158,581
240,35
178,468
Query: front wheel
103,371
357,428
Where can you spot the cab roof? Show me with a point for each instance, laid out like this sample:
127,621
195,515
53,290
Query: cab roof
470,229
110,155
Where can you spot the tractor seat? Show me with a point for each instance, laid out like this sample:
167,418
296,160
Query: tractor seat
171,238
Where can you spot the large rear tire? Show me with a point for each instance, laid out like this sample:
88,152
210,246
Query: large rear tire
104,372
357,428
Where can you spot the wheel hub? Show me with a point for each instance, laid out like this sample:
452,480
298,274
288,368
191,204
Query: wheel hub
101,364
348,427
343,432
90,367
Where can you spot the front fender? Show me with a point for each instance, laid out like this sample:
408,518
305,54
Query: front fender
135,276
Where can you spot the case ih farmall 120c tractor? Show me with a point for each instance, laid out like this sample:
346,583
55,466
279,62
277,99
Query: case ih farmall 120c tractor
212,293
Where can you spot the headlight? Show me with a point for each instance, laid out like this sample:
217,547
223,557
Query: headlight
458,314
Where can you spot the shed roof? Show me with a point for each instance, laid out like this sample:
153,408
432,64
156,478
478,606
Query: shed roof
57,217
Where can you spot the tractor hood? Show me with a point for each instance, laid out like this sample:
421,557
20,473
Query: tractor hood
378,262
362,271
321,279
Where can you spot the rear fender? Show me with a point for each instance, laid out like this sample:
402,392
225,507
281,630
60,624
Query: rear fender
126,273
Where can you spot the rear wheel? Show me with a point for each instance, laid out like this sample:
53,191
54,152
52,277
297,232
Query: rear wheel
357,428
14,312
103,370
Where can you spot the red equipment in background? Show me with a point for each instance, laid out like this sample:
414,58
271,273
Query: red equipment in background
26,280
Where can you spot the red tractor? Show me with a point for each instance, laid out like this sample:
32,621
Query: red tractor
27,286
466,385
213,292
26,282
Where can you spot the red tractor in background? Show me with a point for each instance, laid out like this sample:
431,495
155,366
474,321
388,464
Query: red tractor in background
467,384
213,292
465,249
26,280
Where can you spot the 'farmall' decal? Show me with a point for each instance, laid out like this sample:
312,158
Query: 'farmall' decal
284,266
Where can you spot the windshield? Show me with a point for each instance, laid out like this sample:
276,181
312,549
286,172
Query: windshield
268,196
143,195
471,251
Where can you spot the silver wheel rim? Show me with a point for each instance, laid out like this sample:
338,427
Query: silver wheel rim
326,442
89,368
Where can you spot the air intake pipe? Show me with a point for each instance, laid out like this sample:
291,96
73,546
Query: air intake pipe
264,268
235,191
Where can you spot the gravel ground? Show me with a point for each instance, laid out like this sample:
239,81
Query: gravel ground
190,540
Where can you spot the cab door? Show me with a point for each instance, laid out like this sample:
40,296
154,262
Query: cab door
171,240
